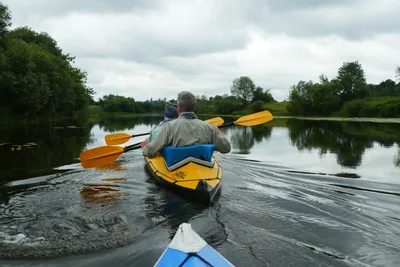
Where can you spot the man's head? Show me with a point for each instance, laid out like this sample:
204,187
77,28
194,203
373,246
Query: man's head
186,102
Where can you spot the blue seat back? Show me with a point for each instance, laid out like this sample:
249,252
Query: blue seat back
173,155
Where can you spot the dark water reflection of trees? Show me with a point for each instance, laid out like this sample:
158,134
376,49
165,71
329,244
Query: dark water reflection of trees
35,150
244,138
348,140
124,124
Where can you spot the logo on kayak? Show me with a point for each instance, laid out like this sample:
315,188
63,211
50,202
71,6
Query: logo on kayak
180,175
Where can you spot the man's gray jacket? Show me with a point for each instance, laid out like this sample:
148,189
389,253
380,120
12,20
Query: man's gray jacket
186,132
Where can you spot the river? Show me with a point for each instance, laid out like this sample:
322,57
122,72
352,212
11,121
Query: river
295,193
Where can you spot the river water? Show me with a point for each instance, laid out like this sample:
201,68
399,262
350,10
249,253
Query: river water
295,193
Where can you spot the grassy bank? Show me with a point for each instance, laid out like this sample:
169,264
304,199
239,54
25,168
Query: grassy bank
277,109
374,107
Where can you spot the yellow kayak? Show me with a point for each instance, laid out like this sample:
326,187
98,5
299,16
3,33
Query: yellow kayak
191,171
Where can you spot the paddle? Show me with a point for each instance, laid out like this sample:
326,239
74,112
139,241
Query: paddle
103,155
251,120
106,154
121,138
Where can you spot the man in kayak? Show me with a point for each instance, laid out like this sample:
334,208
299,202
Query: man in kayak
186,130
171,113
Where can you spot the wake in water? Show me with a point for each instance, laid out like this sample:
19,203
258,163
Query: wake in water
266,216
350,221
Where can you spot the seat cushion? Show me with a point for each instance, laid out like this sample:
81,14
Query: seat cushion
174,155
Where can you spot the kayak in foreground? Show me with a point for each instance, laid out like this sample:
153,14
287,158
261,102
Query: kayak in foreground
187,249
190,171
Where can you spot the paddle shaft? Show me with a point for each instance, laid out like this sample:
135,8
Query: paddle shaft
132,147
135,135
226,124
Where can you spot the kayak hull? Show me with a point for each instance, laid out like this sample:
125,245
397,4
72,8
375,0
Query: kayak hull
193,180
187,249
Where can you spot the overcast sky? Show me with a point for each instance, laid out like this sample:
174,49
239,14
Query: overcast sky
140,48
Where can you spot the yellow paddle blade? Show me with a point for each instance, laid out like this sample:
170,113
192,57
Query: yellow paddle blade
117,139
216,121
100,156
255,119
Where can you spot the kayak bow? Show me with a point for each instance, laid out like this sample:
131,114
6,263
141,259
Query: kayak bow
187,249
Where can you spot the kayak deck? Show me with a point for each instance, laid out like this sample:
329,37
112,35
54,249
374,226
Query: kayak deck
187,249
192,180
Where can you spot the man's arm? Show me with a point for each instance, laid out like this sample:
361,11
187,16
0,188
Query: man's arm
221,143
161,140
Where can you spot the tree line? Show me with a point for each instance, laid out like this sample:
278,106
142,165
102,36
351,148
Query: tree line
348,94
244,95
37,79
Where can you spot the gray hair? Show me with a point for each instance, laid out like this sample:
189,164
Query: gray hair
187,101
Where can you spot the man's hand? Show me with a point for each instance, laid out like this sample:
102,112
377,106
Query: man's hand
144,143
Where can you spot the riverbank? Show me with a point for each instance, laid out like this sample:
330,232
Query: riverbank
277,109
369,109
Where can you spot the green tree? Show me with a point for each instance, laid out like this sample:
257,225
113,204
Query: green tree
114,103
257,106
43,40
25,88
386,88
301,97
295,105
226,104
37,80
352,79
325,99
397,73
262,95
5,19
243,88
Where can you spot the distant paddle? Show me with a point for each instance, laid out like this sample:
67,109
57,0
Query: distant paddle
251,120
105,154
216,121
121,138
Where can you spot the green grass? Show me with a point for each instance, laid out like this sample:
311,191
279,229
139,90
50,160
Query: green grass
277,109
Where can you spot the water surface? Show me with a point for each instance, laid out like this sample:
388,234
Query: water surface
295,193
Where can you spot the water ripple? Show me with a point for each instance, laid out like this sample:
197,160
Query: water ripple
266,215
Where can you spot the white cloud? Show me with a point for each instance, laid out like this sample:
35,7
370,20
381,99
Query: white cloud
142,48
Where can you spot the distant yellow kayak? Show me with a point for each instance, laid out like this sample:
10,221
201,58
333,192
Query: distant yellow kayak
191,171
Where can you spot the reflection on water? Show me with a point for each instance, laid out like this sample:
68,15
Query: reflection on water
102,193
348,140
295,192
244,138
127,124
40,150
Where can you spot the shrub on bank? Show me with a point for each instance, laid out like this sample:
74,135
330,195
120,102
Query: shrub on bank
383,107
